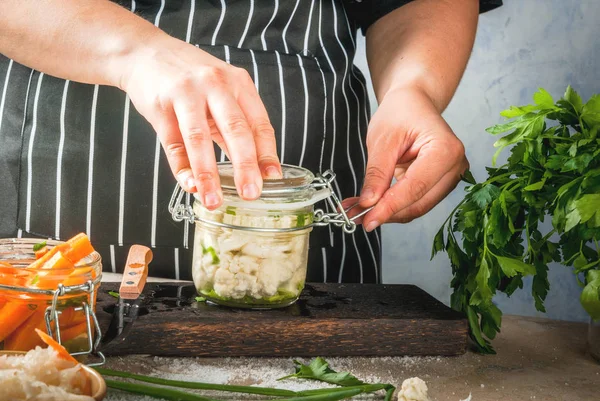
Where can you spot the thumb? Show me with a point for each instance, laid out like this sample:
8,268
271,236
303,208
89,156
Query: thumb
380,171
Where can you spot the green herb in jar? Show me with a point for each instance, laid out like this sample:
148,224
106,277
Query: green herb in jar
39,246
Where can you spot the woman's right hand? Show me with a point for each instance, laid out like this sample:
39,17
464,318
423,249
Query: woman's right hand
192,99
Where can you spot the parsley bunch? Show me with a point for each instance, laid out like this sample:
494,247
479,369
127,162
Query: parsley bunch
494,237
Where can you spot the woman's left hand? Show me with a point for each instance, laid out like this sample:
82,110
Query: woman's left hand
408,140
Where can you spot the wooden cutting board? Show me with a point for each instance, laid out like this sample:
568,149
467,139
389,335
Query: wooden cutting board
327,320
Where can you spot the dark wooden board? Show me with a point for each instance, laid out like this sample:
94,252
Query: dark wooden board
327,320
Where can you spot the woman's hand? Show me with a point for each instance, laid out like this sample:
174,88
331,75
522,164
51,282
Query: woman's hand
408,140
192,99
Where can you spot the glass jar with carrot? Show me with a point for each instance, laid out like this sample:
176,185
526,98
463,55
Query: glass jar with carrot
49,286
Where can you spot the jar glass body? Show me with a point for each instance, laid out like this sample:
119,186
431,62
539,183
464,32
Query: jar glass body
243,268
27,302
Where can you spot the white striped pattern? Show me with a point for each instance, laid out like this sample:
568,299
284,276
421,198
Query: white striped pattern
343,262
188,35
59,158
324,118
334,82
324,139
156,161
366,97
218,28
360,265
88,218
228,61
305,134
4,90
308,26
255,68
124,156
285,29
176,263
262,36
113,265
30,153
333,120
250,13
350,163
283,109
324,255
123,170
26,106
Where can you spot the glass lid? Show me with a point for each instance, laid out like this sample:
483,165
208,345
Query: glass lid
295,179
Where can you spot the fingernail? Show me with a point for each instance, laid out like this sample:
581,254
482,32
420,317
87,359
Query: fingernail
186,179
211,199
372,225
367,194
273,172
191,183
250,191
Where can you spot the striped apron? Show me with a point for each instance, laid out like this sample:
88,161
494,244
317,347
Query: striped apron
80,158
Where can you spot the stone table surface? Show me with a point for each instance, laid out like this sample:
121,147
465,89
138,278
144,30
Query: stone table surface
537,359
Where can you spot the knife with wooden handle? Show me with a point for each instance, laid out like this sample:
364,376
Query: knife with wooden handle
130,295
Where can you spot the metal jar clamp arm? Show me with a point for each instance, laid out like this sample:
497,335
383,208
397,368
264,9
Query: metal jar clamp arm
184,212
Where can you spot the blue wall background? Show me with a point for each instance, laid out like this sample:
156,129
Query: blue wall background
519,47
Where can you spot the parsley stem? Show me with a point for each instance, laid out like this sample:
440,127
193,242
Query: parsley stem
155,392
366,388
330,396
497,177
198,385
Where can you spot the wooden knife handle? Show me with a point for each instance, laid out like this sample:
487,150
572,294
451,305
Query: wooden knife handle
136,272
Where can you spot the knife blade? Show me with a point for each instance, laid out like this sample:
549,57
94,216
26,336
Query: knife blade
130,296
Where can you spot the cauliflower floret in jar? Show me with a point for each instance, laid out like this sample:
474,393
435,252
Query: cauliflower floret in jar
272,274
245,284
248,265
224,282
233,242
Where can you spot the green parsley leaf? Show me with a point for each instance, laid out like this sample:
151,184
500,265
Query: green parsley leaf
590,296
511,266
587,206
543,99
39,246
485,195
319,369
468,178
574,99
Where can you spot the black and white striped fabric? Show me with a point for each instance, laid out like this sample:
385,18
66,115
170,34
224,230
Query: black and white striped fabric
76,157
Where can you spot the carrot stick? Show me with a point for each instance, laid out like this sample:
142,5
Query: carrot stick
24,338
62,352
73,332
70,317
41,252
12,316
78,248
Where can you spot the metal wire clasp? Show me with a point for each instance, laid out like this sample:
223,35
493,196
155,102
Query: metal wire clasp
184,212
52,315
339,219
